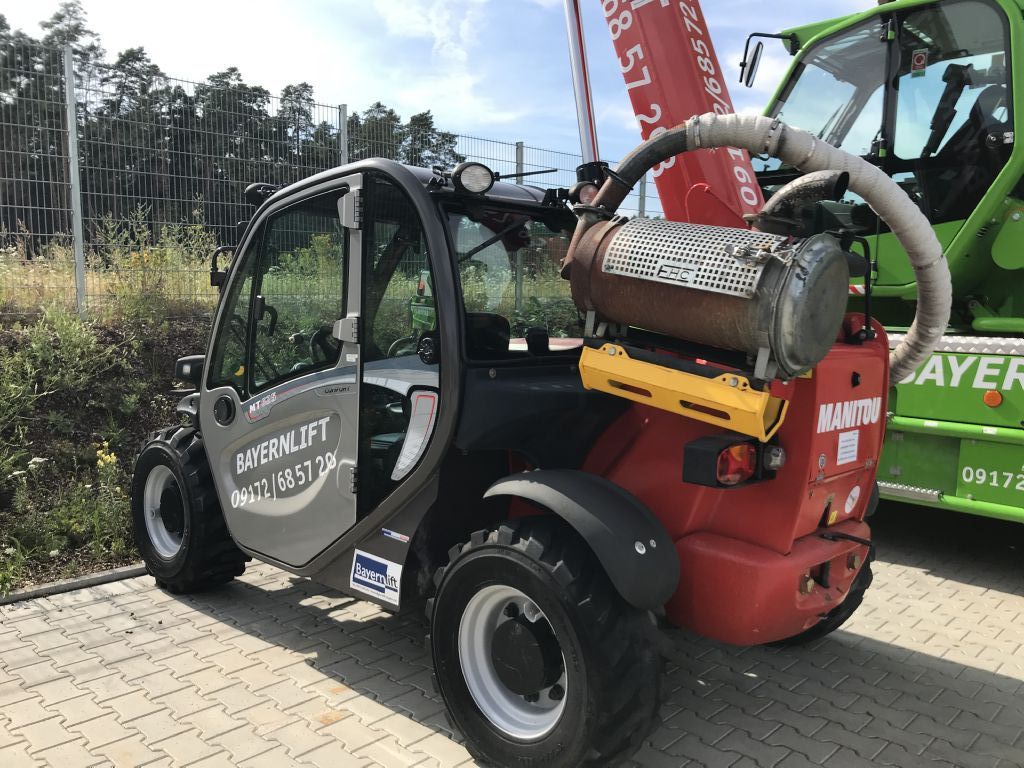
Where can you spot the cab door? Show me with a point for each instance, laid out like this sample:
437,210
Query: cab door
279,408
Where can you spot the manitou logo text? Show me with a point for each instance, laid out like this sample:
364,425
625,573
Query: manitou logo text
853,413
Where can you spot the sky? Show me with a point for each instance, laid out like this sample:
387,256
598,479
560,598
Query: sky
496,69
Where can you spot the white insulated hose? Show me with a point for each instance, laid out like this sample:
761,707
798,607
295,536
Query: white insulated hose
764,135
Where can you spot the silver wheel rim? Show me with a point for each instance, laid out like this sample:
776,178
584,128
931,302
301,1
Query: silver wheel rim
507,711
166,543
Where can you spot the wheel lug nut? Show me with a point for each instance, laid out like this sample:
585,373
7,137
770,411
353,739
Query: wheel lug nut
557,692
532,697
511,610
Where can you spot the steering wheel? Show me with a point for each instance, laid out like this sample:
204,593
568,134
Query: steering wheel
406,345
318,341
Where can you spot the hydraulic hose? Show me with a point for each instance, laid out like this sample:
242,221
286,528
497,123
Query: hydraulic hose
764,135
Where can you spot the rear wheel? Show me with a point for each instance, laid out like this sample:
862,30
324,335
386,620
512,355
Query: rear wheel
539,660
179,528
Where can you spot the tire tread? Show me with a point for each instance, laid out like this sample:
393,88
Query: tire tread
634,678
216,559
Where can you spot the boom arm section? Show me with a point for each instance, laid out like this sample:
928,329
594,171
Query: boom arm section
672,73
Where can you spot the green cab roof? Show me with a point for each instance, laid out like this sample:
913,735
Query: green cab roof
806,32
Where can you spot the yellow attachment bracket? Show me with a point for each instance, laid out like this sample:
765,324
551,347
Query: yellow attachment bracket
726,401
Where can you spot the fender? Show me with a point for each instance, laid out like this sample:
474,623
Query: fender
631,544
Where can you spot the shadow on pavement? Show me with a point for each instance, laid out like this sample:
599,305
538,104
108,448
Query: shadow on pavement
951,545
846,700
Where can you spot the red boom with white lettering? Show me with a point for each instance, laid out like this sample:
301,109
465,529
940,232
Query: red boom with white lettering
672,73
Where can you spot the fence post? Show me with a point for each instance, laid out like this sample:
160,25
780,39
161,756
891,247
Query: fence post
343,133
75,181
520,164
643,196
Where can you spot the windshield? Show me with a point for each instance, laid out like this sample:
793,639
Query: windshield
508,262
948,129
836,91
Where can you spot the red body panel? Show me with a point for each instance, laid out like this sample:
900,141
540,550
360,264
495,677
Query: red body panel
743,550
672,73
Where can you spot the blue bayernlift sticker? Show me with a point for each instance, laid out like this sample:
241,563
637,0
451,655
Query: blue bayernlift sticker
375,576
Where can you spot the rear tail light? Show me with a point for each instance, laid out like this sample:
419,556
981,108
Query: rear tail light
727,461
736,464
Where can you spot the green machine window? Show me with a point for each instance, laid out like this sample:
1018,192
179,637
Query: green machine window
953,106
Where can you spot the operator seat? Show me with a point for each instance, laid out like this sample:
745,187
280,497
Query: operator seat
962,171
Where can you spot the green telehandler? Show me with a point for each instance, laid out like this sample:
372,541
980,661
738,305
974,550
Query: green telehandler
926,91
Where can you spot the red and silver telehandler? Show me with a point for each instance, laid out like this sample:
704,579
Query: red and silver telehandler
550,423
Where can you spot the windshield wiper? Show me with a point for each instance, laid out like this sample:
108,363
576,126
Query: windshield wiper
828,123
492,240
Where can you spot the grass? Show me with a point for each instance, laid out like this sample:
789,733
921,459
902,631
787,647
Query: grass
76,401
126,275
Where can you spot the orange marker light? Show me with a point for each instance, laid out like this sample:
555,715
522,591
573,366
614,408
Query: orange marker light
993,398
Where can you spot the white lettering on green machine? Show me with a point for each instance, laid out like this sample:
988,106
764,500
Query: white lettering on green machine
975,371
279,446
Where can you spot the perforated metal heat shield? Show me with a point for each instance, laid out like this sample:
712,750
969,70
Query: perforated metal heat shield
690,255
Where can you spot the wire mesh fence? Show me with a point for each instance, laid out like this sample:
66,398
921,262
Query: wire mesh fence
163,164
35,200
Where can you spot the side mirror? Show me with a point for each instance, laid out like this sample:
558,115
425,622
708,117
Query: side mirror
217,277
190,369
748,67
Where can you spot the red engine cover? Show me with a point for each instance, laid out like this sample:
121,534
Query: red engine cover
745,551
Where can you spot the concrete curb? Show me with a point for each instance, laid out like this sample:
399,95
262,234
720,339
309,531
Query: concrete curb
70,585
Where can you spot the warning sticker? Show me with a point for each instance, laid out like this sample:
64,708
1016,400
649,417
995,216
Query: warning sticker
848,444
852,499
918,62
376,577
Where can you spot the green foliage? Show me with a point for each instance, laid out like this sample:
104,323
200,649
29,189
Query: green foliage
321,257
52,517
139,279
379,132
76,401
13,558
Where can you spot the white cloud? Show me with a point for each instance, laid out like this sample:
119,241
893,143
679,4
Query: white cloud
454,100
450,24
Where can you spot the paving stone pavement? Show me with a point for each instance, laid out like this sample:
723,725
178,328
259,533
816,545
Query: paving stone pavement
278,671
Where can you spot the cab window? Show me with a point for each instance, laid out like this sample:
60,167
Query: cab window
516,304
952,107
399,397
278,319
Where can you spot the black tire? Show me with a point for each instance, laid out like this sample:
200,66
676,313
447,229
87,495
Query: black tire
206,556
612,669
838,615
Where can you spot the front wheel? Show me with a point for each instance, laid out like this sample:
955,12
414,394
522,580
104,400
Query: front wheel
539,660
179,528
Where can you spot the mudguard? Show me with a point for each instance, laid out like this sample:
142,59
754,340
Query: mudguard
632,545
